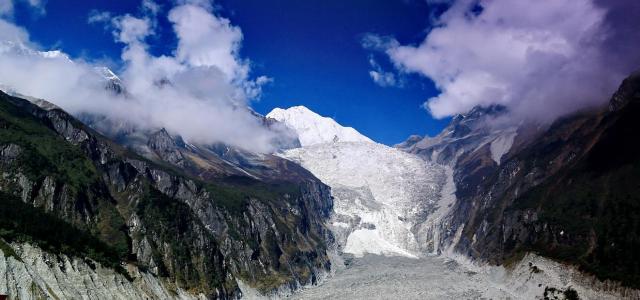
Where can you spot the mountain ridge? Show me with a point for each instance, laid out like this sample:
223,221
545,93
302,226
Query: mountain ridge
177,228
552,191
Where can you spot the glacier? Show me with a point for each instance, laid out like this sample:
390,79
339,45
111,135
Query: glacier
386,201
382,196
391,208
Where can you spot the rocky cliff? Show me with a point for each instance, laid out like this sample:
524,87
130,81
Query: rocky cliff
568,190
192,234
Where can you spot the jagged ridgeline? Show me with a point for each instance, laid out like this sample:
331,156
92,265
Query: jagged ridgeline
70,191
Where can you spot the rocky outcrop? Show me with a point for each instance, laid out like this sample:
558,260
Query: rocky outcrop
465,134
30,273
166,147
628,91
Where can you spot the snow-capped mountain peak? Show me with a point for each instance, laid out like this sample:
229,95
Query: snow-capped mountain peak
106,73
314,129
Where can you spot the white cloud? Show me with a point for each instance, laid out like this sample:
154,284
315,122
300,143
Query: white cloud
99,17
150,7
541,58
206,4
130,29
38,5
201,92
382,78
206,40
7,7
11,32
379,43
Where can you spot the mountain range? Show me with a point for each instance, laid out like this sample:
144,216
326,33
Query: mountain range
95,208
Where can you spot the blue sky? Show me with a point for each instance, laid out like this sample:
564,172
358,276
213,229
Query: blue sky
312,50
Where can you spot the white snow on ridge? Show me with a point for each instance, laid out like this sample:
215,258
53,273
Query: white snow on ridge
314,129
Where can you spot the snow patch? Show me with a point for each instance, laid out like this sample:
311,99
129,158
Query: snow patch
501,145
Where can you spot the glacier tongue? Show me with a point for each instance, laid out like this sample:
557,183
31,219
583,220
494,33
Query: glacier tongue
383,197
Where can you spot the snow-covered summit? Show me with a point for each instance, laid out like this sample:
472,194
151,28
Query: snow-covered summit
18,48
313,129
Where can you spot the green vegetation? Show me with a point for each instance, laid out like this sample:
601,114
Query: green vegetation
111,229
6,249
267,283
21,222
173,224
596,204
44,153
551,293
234,197
88,219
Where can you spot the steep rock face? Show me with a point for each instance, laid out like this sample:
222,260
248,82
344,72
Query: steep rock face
570,194
567,191
166,148
466,133
480,136
35,274
627,92
112,82
207,161
201,235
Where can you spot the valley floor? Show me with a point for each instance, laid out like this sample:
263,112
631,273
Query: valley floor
380,277
438,277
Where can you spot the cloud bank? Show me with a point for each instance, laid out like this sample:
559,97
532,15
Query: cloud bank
542,59
201,91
